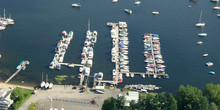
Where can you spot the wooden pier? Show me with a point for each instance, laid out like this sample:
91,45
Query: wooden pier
22,66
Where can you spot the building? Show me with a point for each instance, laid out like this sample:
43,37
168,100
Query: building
5,100
129,96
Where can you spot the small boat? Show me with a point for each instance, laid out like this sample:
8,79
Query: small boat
205,55
209,63
155,12
155,76
127,75
143,75
46,85
128,11
214,0
18,67
199,42
114,1
200,24
211,72
132,75
189,6
217,7
137,2
99,76
0,56
218,15
76,5
202,34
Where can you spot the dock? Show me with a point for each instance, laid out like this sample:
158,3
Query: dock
87,56
20,67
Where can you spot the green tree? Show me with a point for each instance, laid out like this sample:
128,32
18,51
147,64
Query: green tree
191,98
109,104
171,102
212,92
133,105
121,102
212,106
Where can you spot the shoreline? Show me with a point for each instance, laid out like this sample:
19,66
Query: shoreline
10,86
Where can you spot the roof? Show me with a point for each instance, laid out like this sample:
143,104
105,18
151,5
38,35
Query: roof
2,92
100,87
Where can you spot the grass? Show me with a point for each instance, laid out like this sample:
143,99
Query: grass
19,96
32,106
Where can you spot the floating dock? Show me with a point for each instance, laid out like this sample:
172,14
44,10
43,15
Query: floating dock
87,56
60,50
21,66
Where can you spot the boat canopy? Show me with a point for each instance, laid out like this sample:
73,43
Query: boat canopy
21,62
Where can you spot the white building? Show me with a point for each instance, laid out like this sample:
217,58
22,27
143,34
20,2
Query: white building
129,96
5,100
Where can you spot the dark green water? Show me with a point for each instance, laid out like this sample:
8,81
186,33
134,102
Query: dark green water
38,25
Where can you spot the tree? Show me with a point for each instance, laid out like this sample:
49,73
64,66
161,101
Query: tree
212,106
133,105
121,102
212,92
171,103
109,104
191,98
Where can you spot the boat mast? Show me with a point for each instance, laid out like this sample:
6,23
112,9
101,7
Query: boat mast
89,24
47,78
200,16
4,13
42,77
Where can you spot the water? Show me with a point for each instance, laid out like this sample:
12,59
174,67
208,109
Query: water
38,25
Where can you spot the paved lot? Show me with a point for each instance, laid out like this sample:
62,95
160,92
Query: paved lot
68,98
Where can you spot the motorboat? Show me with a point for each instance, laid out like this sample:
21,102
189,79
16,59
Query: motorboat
113,72
137,2
202,34
155,12
99,76
127,75
211,72
209,63
199,42
114,1
200,23
132,75
214,0
58,66
2,27
217,7
143,75
218,15
76,5
128,11
205,55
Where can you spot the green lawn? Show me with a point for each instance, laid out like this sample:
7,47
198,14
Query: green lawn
19,96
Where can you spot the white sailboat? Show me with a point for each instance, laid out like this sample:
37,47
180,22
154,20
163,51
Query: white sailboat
137,2
217,7
42,82
202,34
200,24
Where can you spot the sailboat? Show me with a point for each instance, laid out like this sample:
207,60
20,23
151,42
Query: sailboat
42,82
216,7
202,34
47,83
200,24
